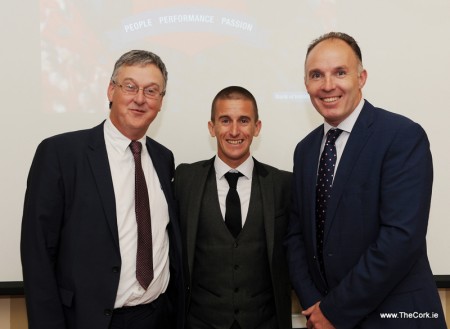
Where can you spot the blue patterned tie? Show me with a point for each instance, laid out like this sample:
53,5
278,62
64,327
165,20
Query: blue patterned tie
144,257
325,176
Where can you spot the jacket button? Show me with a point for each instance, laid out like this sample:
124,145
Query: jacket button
236,267
236,311
108,312
330,254
116,269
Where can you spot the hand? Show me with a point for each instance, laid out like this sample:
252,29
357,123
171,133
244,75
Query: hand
316,319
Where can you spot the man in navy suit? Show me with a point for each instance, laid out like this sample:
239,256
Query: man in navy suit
370,261
79,230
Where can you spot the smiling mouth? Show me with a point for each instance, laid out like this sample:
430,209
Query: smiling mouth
138,110
235,141
330,99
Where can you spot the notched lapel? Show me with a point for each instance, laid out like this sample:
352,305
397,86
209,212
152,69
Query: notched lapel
164,176
98,159
268,199
195,197
358,138
309,172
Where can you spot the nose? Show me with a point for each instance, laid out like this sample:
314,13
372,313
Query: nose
234,129
328,83
139,98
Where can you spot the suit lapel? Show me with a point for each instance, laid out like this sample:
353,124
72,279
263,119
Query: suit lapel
161,168
98,159
311,157
266,186
195,192
358,138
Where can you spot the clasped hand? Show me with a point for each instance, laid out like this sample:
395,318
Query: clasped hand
316,319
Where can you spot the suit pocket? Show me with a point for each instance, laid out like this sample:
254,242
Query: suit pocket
280,213
281,222
208,291
66,297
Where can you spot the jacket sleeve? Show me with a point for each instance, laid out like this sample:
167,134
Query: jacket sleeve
41,223
301,279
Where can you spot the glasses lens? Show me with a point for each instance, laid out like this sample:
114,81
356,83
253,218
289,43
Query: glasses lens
130,88
151,93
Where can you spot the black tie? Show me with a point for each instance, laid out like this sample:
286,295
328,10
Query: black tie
144,257
233,217
324,184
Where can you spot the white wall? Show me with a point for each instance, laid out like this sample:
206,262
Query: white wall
57,57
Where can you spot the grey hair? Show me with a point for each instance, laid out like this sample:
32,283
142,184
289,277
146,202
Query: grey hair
140,57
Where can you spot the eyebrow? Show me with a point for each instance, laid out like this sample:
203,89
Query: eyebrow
239,118
317,70
146,86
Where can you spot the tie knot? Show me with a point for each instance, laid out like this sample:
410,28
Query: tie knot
332,135
232,178
136,147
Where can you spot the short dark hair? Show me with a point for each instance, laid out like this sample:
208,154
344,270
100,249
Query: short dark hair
140,57
337,35
234,92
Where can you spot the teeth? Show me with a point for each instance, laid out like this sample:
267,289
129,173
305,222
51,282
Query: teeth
235,142
330,99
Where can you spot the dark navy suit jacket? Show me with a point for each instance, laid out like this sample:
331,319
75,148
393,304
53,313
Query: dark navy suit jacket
374,246
69,244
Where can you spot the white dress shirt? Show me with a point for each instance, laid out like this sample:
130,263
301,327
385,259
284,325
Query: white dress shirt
346,126
244,184
121,162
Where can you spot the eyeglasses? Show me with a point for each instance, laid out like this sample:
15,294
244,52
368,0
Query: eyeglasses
130,88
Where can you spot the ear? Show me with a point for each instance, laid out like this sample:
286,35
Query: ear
211,129
362,79
305,82
110,91
258,128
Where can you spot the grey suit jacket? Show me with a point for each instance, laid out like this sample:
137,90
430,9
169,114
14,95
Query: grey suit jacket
275,185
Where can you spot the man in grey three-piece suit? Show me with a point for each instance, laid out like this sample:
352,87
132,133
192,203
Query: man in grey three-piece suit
236,273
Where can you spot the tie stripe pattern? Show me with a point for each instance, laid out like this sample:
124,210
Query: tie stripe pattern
325,176
233,217
144,257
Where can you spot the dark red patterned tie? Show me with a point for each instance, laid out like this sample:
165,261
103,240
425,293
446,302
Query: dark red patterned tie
325,176
144,257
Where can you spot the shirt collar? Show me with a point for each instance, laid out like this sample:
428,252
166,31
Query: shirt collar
349,122
118,141
246,168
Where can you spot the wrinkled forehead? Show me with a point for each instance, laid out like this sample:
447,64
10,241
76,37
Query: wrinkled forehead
141,73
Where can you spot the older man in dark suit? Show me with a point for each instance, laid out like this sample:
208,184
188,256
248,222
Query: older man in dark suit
235,263
356,243
100,240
